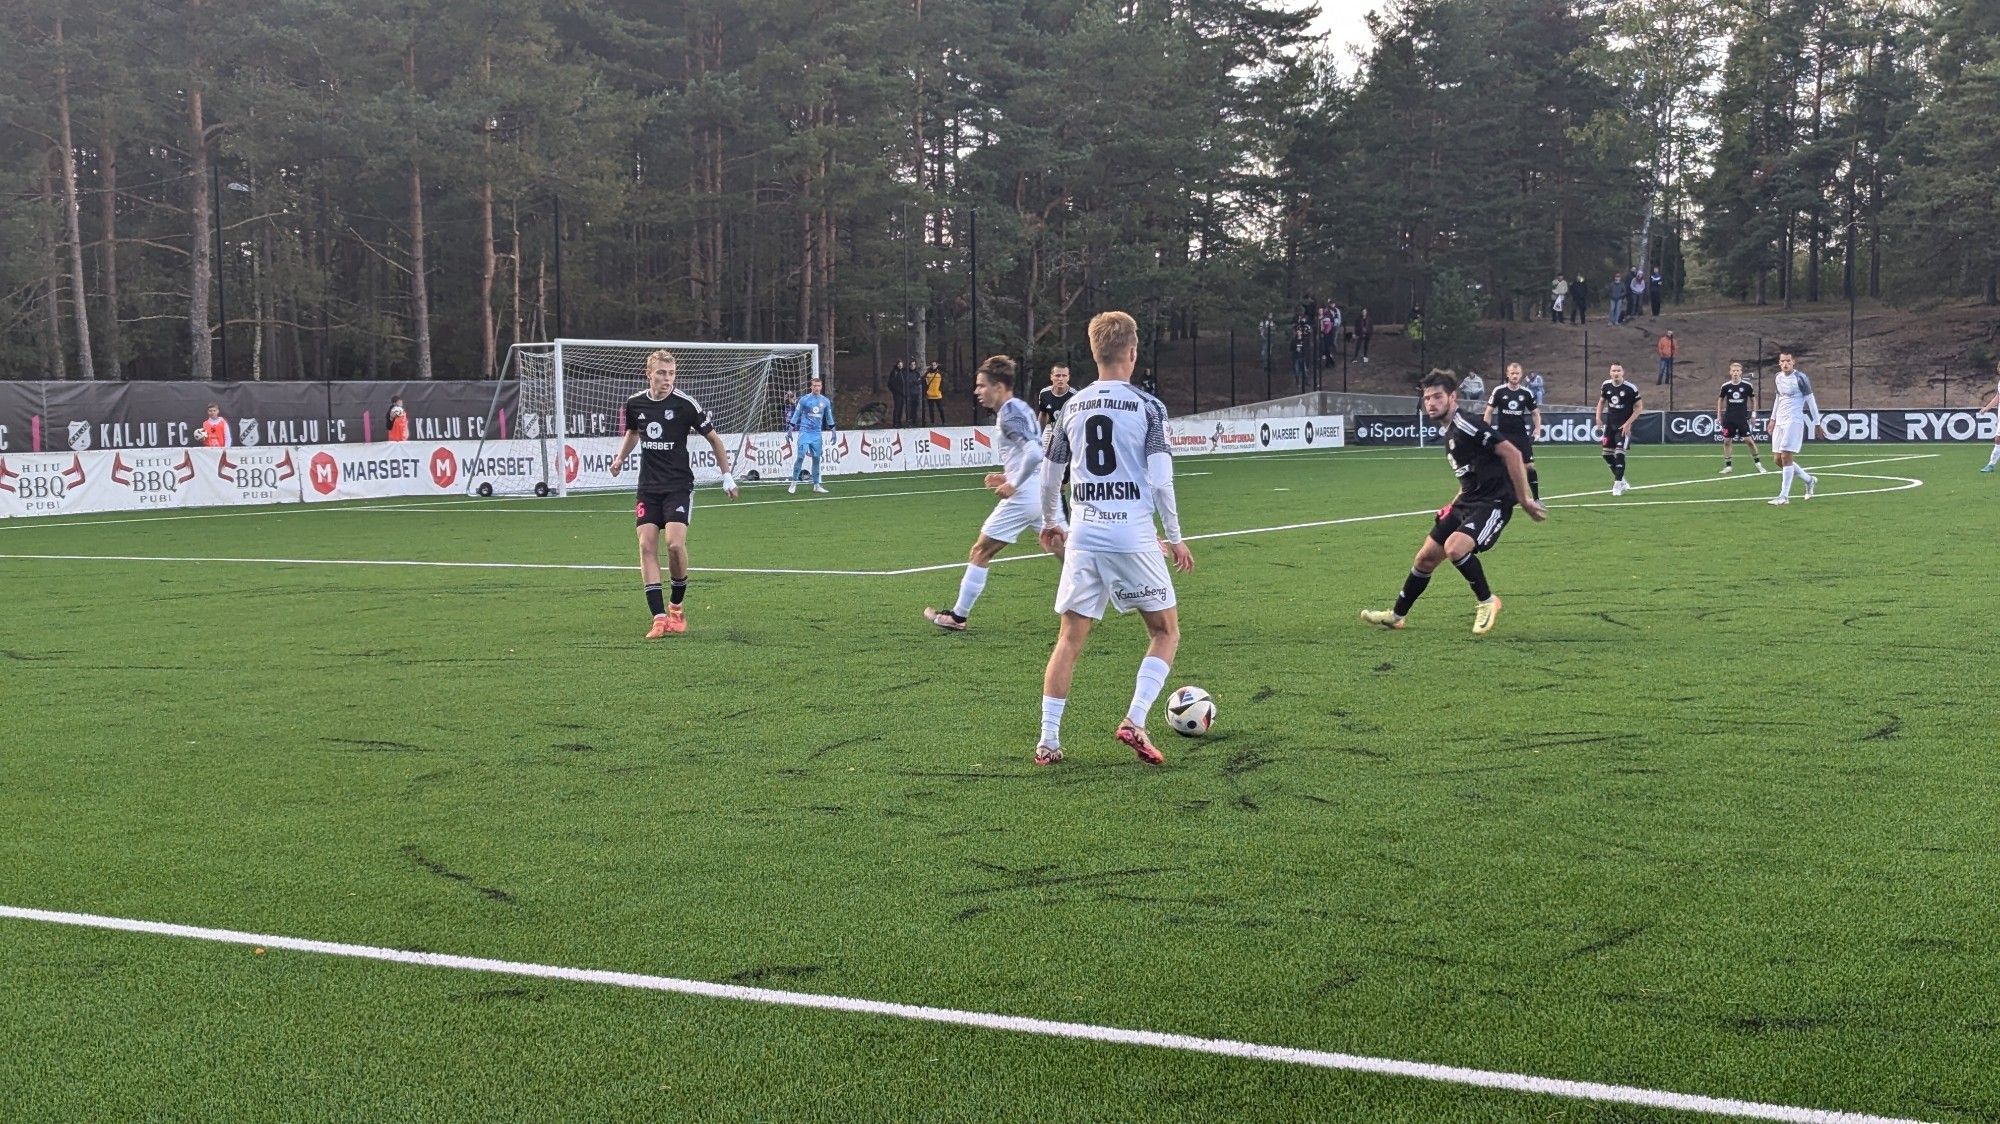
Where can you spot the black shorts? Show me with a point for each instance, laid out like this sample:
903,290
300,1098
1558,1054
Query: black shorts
662,508
1616,440
1524,442
1736,429
1481,519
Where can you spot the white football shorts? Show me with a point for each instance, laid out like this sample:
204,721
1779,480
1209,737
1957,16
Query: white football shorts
1020,512
1091,579
1788,435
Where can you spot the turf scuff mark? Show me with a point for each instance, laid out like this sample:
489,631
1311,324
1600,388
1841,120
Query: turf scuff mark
490,893
1608,942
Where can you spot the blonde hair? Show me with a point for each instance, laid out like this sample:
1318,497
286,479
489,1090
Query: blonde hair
664,356
1111,333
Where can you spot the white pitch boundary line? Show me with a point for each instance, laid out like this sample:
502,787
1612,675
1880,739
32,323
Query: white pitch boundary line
496,506
584,566
1221,1047
942,566
707,506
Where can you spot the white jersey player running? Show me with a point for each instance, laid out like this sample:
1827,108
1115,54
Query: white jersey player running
1114,439
1792,405
1018,485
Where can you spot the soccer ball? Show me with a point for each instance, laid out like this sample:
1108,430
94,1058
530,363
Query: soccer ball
1190,712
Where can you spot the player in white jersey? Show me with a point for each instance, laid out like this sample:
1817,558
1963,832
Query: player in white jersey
1792,405
1018,485
1114,437
1994,405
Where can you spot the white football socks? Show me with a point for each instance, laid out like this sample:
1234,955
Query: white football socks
1052,710
1152,679
1995,458
969,589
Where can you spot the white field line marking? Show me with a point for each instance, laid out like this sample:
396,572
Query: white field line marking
709,506
942,566
1567,451
1356,1063
1902,484
1345,520
625,568
496,505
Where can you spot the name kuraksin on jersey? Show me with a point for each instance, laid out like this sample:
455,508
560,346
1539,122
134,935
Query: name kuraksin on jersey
1090,491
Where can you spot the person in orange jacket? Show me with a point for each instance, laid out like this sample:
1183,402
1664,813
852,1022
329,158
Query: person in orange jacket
1667,349
399,419
214,429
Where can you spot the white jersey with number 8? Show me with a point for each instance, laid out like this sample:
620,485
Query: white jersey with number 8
1106,435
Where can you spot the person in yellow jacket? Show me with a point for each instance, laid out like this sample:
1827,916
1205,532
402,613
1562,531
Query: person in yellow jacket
934,394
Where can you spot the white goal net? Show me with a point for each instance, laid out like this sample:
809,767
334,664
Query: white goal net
577,389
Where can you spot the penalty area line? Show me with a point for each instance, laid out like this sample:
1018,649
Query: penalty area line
1017,1024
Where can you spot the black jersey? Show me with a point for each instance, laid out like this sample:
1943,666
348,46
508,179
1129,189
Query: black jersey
1621,400
1513,408
1736,397
663,426
1473,448
1050,404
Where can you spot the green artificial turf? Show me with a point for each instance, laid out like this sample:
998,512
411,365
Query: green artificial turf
1711,811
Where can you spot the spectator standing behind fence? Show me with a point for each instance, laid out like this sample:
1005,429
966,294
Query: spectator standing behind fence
399,419
1579,301
1654,289
215,429
913,393
1364,332
1668,349
896,395
1473,388
1621,291
1301,347
1638,294
1558,296
1265,330
934,394
1537,387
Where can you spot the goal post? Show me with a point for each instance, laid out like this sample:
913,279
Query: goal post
573,391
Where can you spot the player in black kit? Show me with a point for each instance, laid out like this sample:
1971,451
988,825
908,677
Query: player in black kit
1514,412
1049,407
1618,406
1057,395
1735,405
1490,475
659,419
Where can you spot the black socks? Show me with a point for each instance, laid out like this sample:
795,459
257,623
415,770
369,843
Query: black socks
1475,576
1413,588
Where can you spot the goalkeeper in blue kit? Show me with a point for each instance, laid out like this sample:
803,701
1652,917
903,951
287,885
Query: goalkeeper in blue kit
811,419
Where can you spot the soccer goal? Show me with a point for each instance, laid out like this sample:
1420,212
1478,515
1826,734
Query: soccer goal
576,389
